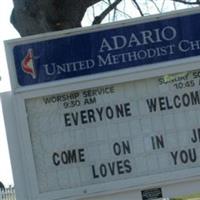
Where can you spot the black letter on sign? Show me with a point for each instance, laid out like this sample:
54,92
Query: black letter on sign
157,142
196,135
55,159
123,148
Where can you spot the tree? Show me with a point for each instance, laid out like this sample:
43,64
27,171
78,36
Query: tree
32,17
38,16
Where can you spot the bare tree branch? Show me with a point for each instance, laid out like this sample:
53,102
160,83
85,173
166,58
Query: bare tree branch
91,2
33,17
99,19
187,2
163,4
138,7
157,8
119,11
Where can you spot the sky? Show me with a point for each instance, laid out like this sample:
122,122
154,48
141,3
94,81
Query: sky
8,32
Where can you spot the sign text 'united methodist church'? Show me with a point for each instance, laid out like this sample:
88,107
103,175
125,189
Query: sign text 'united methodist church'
107,50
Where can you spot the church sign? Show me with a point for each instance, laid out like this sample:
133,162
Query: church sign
125,46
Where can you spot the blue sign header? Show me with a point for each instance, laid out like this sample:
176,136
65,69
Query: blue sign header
107,50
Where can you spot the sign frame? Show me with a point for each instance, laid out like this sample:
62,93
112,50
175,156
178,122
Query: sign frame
20,143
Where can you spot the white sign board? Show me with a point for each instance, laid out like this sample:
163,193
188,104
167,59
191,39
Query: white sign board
116,132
